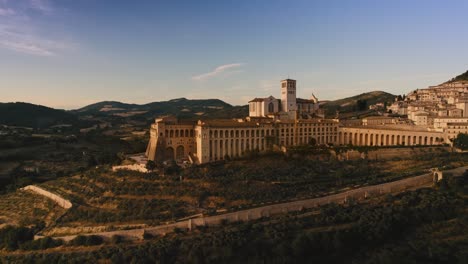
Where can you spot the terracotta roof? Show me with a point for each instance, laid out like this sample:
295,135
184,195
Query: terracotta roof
227,123
257,100
378,117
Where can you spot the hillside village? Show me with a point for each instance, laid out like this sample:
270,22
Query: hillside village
286,162
442,108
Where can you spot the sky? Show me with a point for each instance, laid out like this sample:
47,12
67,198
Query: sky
71,53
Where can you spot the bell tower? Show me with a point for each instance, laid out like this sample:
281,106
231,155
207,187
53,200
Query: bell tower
288,95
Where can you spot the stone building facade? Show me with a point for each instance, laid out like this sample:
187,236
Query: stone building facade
211,140
388,136
270,126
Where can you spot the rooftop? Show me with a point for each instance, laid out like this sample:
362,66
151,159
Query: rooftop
227,123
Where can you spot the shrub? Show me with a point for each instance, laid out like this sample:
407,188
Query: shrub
116,239
41,244
11,237
78,241
93,240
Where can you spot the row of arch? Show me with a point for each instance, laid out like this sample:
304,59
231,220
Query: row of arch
383,139
171,133
219,149
236,133
178,154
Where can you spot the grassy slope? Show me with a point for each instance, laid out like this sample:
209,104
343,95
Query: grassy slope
104,198
424,226
348,104
35,116
461,77
182,107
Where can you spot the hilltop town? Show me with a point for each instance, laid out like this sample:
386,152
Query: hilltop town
287,173
424,117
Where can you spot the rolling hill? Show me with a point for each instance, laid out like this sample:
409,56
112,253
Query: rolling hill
459,78
41,117
35,116
180,107
349,104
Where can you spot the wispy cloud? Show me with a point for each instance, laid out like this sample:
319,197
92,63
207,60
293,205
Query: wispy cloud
7,12
227,68
20,39
43,6
20,29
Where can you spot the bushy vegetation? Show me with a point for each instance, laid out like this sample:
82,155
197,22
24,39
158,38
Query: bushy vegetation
357,103
461,77
13,238
38,159
35,116
424,226
461,141
86,241
103,197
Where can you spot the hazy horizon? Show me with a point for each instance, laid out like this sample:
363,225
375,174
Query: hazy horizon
69,54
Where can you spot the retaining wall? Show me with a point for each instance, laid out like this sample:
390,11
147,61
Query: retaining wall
390,153
54,197
269,210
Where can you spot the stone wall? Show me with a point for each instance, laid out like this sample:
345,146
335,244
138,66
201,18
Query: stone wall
390,153
269,210
54,197
132,167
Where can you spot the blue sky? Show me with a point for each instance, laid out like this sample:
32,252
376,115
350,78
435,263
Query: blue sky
70,53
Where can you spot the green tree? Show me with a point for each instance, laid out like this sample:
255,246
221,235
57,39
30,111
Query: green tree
361,105
461,141
150,165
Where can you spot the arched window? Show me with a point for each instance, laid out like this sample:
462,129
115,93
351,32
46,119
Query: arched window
271,107
180,152
169,154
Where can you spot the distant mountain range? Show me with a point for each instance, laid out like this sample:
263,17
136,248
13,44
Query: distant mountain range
36,116
180,107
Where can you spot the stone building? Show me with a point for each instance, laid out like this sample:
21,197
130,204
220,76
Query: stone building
399,135
291,121
289,107
271,122
263,107
171,139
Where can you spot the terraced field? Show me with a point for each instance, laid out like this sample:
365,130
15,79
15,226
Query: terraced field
105,200
26,208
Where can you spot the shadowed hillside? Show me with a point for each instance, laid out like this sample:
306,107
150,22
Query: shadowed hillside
35,116
350,104
181,107
461,77
40,117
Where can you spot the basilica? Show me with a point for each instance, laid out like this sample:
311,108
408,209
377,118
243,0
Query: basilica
276,124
